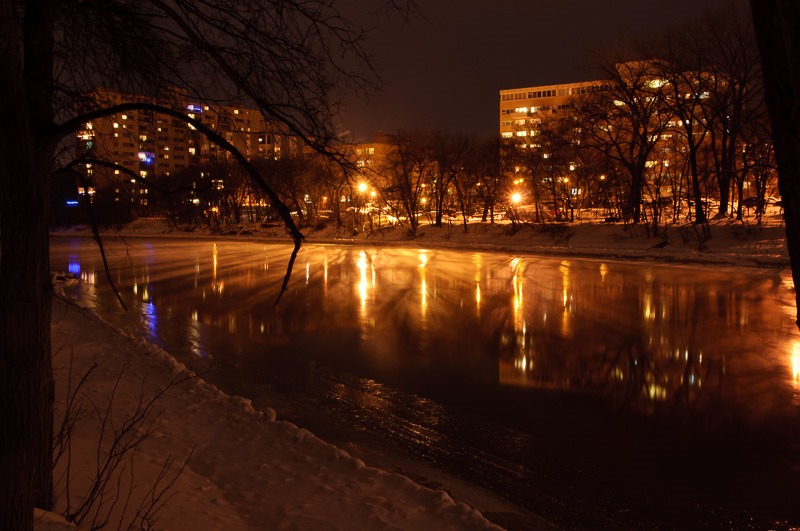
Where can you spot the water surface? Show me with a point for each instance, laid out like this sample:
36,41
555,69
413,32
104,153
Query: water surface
591,393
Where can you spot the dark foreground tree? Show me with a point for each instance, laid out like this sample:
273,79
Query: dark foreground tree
286,57
777,26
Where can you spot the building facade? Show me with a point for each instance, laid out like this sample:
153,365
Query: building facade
145,145
522,109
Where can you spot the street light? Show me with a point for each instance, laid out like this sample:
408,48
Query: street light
362,187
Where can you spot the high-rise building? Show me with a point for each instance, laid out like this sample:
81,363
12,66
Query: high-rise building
522,109
144,145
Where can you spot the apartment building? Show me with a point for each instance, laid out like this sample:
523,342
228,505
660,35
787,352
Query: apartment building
522,109
146,145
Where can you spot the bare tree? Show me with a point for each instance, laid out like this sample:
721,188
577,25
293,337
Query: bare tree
687,84
777,26
285,57
731,57
448,153
407,170
626,120
481,161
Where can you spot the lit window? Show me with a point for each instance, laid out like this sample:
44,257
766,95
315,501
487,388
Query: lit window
142,173
89,125
124,116
370,151
115,125
522,133
236,111
192,151
508,135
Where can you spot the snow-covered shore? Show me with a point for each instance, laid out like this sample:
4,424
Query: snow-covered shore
248,470
726,242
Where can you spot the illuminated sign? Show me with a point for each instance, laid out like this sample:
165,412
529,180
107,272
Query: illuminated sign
147,157
194,108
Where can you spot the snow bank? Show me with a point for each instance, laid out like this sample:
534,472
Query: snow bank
247,470
727,242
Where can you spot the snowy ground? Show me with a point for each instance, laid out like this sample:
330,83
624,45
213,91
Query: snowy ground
247,470
728,242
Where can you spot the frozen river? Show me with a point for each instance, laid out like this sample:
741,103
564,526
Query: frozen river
588,393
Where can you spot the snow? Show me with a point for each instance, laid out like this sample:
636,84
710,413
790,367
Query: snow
729,242
248,469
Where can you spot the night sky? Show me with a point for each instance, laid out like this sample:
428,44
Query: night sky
445,70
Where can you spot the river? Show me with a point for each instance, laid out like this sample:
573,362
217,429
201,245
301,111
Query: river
587,393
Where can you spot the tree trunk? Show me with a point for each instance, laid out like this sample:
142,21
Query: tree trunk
777,25
634,203
699,211
26,380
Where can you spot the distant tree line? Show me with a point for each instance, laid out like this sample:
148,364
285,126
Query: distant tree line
678,131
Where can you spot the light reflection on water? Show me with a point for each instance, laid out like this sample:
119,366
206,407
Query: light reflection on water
451,351
647,338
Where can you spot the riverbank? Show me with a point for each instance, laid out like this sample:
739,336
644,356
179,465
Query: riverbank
722,242
233,467
250,470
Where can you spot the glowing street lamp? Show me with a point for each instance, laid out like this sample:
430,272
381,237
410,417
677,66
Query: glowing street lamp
362,187
516,198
